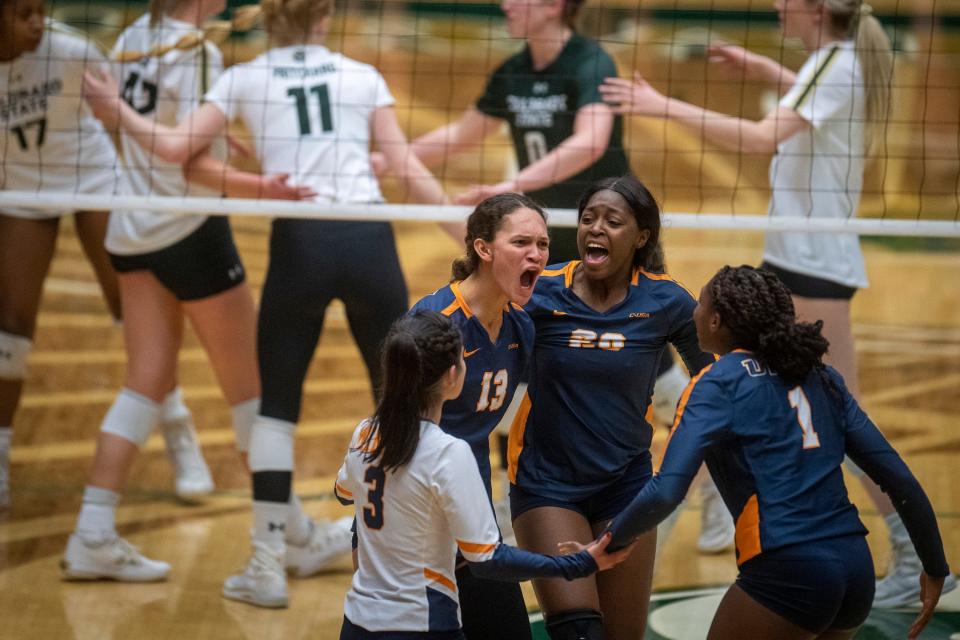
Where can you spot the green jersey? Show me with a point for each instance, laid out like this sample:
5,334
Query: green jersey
541,107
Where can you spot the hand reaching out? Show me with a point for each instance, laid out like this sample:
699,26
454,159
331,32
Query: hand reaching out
597,549
635,96
730,57
477,193
101,92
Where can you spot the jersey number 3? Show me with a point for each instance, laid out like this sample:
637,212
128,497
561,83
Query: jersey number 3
798,400
374,477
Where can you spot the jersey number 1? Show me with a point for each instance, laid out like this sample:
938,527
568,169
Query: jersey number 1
798,400
303,114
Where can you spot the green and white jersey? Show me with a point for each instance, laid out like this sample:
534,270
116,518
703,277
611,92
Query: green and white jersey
309,111
49,139
541,107
165,89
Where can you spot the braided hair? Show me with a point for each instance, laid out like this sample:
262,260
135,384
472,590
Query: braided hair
757,309
417,351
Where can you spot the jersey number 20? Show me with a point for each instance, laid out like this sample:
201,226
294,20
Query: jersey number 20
303,112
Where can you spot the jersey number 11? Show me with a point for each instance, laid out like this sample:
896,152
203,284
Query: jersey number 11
303,113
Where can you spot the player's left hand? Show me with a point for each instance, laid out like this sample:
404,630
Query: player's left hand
102,93
930,589
633,96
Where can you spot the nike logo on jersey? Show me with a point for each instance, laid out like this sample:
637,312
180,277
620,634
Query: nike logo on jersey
467,354
559,313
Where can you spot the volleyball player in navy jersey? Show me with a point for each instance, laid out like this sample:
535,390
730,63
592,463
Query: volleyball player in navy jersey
506,249
579,446
773,424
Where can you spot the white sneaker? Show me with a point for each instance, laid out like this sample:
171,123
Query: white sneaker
327,543
901,586
501,509
262,583
111,558
717,531
193,481
666,393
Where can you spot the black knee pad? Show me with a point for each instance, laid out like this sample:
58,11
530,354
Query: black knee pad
575,624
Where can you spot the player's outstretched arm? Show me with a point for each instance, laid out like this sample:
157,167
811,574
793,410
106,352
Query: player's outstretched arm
389,137
749,66
468,131
591,136
638,97
173,144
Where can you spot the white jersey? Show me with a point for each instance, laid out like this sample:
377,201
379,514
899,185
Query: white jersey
165,89
49,139
309,112
819,172
410,523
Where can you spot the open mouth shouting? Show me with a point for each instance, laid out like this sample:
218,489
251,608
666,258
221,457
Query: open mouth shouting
595,254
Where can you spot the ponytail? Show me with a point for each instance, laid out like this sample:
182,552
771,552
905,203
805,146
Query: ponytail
417,351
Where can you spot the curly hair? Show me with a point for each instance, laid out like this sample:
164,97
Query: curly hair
417,351
757,309
484,223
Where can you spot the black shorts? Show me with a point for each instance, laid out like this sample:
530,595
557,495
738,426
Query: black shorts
201,265
350,631
599,507
810,287
821,585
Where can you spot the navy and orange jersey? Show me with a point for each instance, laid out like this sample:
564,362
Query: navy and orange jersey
584,417
775,452
493,370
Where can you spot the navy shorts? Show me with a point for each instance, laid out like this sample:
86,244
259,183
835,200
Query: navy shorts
810,287
821,585
350,631
602,505
201,265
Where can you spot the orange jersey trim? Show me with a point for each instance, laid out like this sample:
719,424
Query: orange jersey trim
747,537
660,276
430,574
475,547
515,439
566,272
343,491
455,288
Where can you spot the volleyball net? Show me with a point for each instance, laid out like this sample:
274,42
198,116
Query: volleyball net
437,57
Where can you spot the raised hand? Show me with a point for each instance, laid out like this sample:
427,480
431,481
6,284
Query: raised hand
480,192
633,96
731,58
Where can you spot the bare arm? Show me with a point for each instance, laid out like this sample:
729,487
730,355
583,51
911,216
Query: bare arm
205,170
589,141
751,66
730,132
174,144
400,157
469,131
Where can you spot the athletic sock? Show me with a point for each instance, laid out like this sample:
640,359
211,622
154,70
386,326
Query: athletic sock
98,513
298,522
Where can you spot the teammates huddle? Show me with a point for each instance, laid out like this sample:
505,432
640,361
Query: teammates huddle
769,418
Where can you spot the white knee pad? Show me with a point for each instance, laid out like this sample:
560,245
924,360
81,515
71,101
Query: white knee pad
271,445
244,415
174,409
852,467
132,417
13,356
